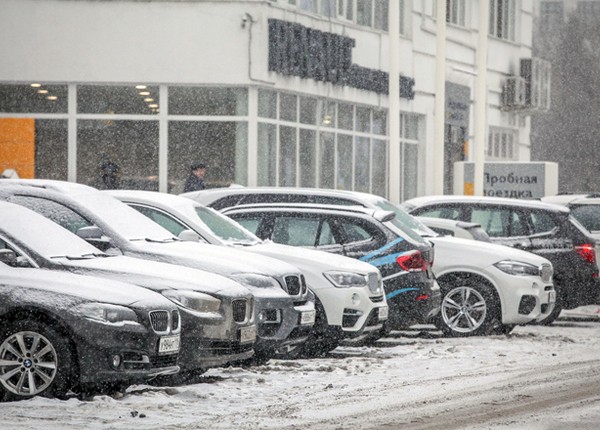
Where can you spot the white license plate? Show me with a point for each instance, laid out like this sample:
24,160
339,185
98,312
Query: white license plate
383,312
551,297
168,344
248,334
307,317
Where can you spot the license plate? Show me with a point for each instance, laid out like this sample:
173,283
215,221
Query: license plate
168,344
307,318
551,297
248,334
383,312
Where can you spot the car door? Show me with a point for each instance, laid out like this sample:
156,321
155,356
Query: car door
359,236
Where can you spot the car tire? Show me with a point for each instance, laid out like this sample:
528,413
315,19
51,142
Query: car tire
42,357
470,307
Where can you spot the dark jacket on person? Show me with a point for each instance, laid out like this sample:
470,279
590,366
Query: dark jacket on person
193,183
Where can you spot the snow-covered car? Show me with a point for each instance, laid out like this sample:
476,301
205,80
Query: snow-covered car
499,310
285,310
403,259
350,300
461,229
217,314
544,229
61,332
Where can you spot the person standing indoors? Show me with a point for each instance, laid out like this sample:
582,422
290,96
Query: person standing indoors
195,180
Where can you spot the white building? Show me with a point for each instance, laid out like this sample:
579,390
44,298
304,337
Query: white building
280,92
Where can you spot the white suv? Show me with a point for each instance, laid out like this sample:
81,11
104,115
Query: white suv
350,301
486,288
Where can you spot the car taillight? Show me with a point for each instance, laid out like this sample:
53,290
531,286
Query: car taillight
587,252
412,261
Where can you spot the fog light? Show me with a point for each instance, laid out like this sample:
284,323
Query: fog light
355,299
116,361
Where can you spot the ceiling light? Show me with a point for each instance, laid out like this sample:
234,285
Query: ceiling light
327,119
141,87
52,98
36,85
43,91
148,99
144,93
154,106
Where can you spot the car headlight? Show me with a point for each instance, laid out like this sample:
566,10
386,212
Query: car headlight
193,300
518,268
107,314
346,279
256,280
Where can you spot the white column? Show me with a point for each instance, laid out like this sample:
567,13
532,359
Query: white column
440,99
163,141
479,137
394,167
72,134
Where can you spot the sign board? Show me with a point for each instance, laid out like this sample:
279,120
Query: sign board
517,180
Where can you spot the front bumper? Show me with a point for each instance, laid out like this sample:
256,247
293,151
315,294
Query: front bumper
282,325
524,298
136,347
354,310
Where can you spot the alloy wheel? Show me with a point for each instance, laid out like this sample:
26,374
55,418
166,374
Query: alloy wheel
464,309
28,363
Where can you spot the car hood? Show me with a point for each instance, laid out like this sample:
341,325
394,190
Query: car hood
155,275
454,252
87,288
310,259
225,261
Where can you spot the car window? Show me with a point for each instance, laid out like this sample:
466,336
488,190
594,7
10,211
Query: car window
500,222
164,220
295,231
326,235
223,226
442,231
225,202
447,212
355,233
249,223
60,214
542,222
588,215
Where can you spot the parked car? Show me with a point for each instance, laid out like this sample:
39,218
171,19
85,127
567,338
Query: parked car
217,314
585,208
545,229
61,332
284,306
403,260
459,266
461,229
350,300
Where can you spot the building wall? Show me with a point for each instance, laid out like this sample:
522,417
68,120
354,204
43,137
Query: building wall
207,43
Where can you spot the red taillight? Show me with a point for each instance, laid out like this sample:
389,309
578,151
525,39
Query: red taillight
587,252
412,261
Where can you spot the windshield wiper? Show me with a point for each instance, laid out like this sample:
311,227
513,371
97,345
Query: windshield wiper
168,240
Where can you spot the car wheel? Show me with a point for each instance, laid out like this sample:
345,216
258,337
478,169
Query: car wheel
34,360
469,308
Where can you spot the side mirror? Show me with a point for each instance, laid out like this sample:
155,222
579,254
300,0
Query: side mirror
8,257
189,236
91,232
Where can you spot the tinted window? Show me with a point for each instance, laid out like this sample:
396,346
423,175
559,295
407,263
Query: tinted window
355,233
295,231
500,222
542,222
250,224
588,215
447,212
223,226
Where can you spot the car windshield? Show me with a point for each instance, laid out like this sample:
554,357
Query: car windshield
224,227
123,219
405,222
43,236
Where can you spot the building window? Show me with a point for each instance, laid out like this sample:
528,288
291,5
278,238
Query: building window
33,98
455,12
501,144
588,7
124,99
502,19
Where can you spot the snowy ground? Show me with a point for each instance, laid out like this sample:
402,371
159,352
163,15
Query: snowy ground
536,378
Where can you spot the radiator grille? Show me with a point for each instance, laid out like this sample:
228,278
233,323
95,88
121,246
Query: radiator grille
239,310
159,321
293,285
